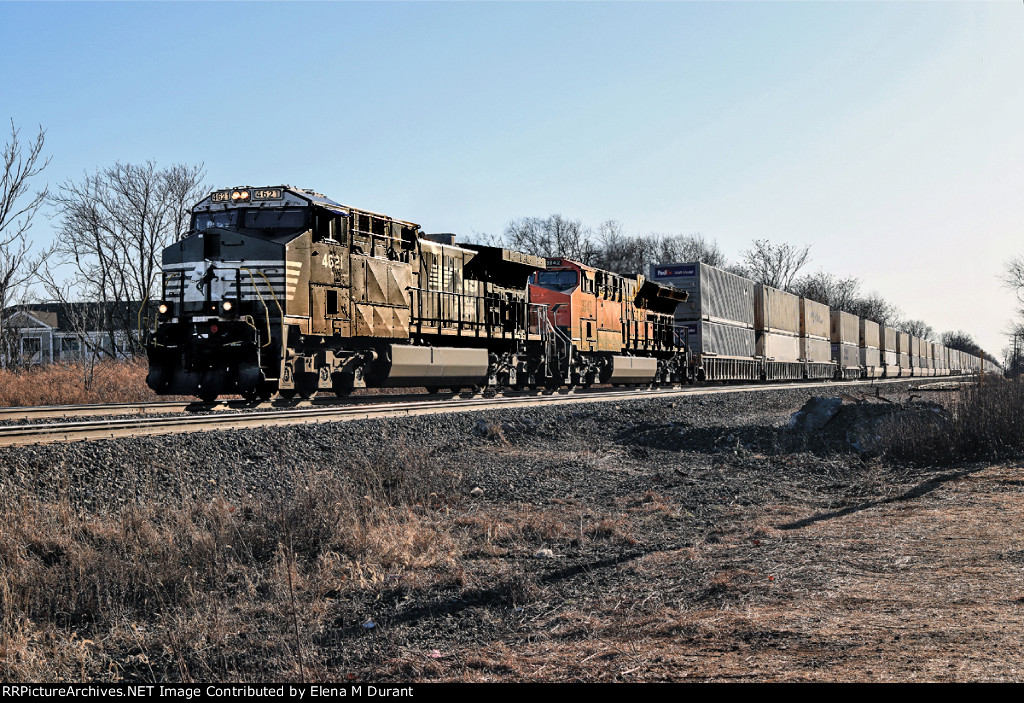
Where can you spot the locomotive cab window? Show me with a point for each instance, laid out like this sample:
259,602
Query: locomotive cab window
330,226
276,221
226,219
561,281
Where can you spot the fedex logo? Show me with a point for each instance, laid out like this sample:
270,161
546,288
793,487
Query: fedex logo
674,271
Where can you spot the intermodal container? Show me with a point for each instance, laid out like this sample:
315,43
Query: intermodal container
715,295
845,328
714,339
869,334
814,319
778,347
776,310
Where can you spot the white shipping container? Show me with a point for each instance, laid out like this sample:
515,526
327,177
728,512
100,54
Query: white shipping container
869,334
778,347
714,295
845,328
815,350
715,339
902,344
870,357
846,355
888,339
815,319
776,310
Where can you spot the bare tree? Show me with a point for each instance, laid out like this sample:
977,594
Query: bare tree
828,289
960,340
689,247
917,328
634,254
112,226
620,252
1013,276
18,207
554,236
876,308
775,265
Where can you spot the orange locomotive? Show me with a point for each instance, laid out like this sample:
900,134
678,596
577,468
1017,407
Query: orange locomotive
613,328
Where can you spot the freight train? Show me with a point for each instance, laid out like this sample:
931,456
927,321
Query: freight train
281,291
741,330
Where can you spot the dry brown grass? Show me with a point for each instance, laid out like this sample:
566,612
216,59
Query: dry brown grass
987,423
76,384
212,588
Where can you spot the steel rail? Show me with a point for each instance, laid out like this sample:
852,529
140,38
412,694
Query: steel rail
40,433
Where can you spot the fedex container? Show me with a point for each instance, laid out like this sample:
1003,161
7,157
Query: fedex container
714,295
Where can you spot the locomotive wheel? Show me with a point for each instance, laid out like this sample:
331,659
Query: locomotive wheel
250,394
208,396
342,385
266,390
286,393
306,385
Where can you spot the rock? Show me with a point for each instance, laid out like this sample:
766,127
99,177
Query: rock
815,414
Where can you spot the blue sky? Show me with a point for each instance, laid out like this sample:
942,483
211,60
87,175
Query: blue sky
889,136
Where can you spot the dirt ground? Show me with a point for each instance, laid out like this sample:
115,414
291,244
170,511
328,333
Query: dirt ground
924,585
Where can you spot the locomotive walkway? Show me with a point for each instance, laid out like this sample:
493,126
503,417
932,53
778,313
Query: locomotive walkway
216,416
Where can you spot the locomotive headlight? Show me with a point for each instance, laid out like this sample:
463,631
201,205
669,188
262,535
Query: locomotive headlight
227,306
164,308
238,195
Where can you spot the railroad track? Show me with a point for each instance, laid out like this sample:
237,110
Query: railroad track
168,407
311,412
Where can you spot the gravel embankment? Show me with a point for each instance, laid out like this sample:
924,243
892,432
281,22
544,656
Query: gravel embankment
258,463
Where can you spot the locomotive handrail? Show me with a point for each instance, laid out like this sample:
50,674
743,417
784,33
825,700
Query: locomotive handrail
551,333
166,276
266,308
459,321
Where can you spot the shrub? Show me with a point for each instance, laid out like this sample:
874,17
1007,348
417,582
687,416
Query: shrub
76,383
987,423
